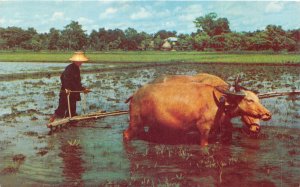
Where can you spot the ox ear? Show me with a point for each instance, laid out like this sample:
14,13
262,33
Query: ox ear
220,102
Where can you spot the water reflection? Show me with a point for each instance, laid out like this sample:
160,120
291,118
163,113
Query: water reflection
247,161
72,163
181,164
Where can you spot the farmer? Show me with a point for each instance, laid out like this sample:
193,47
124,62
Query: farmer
70,82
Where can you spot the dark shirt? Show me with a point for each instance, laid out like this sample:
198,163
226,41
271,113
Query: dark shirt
71,80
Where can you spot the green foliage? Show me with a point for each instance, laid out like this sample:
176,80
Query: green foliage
211,25
54,36
234,41
278,39
185,42
201,41
14,36
163,34
73,37
213,34
3,43
158,42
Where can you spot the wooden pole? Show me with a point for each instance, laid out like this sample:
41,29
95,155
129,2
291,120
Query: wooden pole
277,94
69,107
85,117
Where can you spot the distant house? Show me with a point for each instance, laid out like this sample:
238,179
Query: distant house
166,46
172,39
169,44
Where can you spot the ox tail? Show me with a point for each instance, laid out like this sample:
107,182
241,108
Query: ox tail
127,100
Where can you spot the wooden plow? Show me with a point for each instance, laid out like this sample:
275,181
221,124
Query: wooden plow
277,94
94,115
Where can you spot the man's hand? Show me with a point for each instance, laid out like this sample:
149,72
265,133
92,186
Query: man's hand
85,91
68,91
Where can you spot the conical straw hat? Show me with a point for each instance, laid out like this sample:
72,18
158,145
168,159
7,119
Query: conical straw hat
79,57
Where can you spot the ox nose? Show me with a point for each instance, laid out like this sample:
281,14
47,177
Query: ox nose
267,116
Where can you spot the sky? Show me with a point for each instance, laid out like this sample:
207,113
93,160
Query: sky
148,15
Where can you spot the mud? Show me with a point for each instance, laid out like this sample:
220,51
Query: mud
92,152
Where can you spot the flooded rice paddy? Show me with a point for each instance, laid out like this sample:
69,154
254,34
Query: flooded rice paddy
92,153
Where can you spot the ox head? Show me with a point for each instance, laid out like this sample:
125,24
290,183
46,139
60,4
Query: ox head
245,103
252,111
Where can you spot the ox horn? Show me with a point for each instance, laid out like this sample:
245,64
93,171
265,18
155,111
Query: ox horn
235,90
237,87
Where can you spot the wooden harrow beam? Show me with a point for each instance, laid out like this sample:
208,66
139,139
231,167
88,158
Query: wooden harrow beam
277,94
94,115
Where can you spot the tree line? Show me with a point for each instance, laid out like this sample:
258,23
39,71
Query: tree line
213,34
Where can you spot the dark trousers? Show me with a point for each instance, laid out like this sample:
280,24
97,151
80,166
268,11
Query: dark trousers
62,109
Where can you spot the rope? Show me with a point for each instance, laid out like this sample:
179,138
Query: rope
83,103
69,107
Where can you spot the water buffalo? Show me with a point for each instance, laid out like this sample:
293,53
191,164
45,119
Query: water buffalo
252,123
203,78
184,106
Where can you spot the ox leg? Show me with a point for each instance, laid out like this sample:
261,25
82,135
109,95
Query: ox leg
128,134
204,130
133,128
204,138
226,132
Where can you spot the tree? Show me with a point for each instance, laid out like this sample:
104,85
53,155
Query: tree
201,41
163,34
54,36
217,42
106,39
102,43
278,38
15,36
211,25
295,36
73,37
258,41
185,42
158,42
233,42
117,38
3,43
131,39
94,41
115,44
34,43
147,42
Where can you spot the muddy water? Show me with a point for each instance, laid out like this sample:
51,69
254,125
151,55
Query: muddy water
93,153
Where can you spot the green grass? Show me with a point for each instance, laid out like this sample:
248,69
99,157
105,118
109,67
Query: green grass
153,56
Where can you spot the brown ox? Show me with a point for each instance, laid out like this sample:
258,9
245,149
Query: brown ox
252,123
203,78
184,106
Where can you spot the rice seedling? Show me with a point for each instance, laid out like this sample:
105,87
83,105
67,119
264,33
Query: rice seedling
74,142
